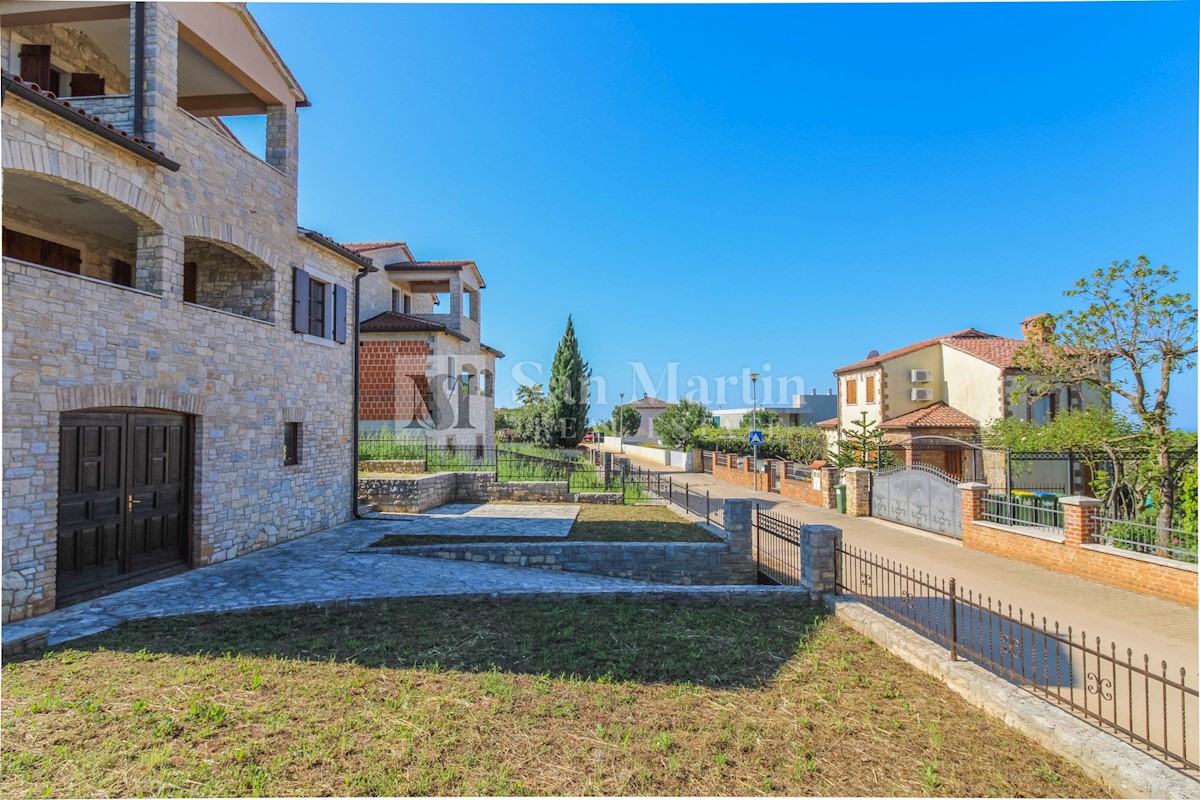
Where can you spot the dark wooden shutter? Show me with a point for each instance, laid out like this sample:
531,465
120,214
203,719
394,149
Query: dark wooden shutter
299,301
35,65
339,313
86,84
189,281
122,272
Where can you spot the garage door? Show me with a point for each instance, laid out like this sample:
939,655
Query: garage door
124,500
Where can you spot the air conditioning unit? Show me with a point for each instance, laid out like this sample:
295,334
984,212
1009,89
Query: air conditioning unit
920,376
922,394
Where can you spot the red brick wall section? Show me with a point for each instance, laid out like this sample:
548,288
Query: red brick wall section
741,477
392,380
1178,584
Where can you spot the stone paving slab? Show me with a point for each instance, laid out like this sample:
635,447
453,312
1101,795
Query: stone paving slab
324,567
501,520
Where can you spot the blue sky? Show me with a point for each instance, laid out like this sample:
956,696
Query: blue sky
723,187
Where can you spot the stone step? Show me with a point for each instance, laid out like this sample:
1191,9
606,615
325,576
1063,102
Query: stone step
367,508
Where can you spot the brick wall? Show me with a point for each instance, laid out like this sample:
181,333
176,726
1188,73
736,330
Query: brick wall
1149,575
741,476
392,381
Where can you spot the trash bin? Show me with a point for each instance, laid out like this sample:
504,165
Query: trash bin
840,493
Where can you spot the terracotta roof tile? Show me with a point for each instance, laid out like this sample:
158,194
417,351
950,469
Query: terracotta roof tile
938,415
969,333
998,352
828,423
648,402
80,112
362,247
395,322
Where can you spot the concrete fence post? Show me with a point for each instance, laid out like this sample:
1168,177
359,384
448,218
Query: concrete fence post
819,546
858,492
1079,519
608,467
974,496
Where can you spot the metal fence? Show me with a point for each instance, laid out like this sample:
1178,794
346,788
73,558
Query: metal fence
1140,537
1024,511
655,486
1154,706
777,548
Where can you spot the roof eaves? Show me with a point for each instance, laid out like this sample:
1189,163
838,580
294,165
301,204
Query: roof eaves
334,247
61,108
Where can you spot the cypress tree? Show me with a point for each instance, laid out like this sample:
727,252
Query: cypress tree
569,390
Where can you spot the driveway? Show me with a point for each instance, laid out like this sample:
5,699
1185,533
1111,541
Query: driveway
1159,628
329,566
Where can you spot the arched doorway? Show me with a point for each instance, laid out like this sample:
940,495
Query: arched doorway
124,503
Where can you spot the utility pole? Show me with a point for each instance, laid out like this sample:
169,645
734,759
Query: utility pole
754,423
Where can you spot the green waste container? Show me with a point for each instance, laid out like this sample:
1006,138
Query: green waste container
840,493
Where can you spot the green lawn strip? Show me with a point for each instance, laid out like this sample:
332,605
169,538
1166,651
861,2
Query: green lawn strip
572,697
595,523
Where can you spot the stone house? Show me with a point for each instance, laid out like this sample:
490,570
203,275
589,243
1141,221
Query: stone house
932,398
424,372
178,367
649,408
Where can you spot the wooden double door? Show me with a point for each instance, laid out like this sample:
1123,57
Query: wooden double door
124,502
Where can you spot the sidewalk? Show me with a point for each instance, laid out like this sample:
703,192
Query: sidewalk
1162,629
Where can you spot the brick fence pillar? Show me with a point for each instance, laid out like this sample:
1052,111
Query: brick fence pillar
1079,519
973,497
740,527
858,492
828,478
819,545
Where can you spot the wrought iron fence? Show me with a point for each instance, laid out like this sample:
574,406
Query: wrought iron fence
777,548
656,486
1026,510
1152,706
1140,537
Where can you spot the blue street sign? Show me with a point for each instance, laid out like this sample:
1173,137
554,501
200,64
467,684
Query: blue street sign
756,437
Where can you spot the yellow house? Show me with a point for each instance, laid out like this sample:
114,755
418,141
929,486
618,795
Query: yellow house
932,396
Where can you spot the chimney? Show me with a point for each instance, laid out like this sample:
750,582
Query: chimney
1038,329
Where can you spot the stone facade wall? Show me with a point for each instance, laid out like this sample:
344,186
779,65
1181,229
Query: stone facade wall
412,466
230,282
1075,555
74,50
71,342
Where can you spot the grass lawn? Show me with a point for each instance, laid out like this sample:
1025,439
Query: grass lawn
573,697
595,523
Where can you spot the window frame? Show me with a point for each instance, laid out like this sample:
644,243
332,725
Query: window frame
292,443
869,393
850,389
318,291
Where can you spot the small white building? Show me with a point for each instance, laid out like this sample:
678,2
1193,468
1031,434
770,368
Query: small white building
806,409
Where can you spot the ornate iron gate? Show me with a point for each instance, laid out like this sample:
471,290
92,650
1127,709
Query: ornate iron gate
920,496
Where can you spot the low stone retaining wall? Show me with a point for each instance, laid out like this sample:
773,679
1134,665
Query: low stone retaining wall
422,492
410,467
680,563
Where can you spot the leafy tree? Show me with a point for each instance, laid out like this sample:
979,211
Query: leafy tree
765,419
803,444
677,425
533,421
862,444
626,420
1130,338
569,377
529,394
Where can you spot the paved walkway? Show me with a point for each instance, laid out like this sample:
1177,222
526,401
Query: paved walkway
326,567
1159,628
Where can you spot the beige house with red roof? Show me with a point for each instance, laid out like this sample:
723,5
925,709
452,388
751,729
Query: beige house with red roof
423,369
930,393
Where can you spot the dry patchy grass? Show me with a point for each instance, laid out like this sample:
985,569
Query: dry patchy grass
588,696
595,523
